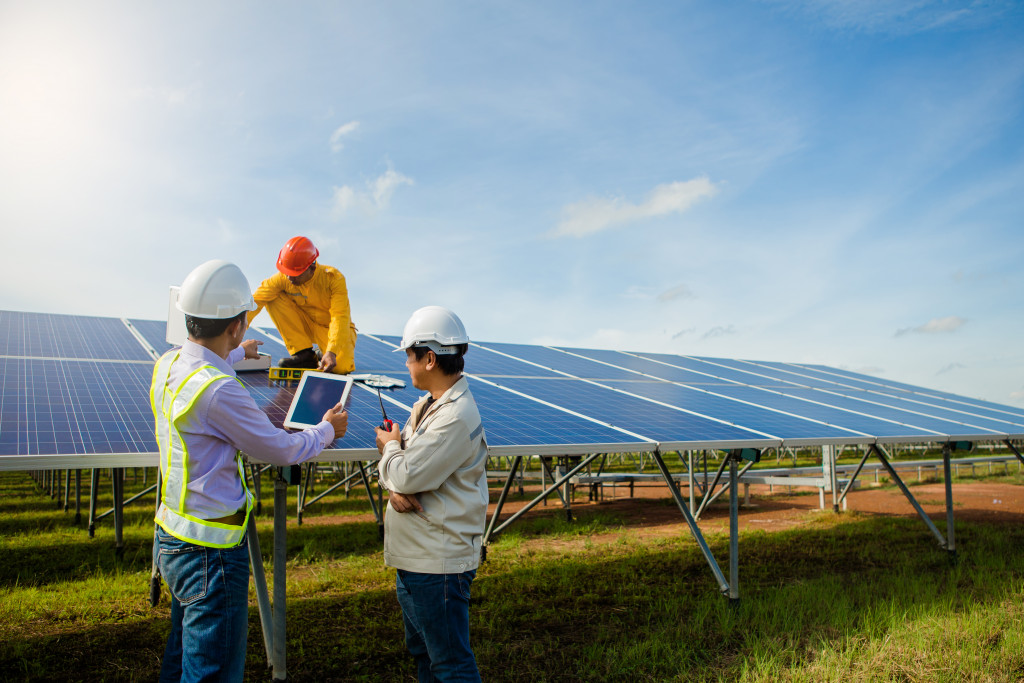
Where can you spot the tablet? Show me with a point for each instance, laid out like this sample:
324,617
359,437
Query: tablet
317,393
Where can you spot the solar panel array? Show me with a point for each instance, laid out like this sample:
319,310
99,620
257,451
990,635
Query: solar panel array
79,385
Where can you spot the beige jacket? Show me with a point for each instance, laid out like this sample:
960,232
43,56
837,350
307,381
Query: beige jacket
443,463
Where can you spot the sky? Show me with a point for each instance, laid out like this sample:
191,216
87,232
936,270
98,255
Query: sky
822,181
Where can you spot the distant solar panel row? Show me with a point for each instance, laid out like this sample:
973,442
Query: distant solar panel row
79,385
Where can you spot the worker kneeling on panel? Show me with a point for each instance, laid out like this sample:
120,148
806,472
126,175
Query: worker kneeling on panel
308,303
435,472
205,420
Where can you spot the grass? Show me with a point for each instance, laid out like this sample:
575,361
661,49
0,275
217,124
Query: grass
848,597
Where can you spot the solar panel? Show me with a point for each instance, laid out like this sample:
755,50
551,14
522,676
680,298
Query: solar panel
74,407
530,397
47,335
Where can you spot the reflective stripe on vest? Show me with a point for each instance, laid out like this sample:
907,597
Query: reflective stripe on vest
168,409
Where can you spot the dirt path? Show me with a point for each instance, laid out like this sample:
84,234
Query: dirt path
651,512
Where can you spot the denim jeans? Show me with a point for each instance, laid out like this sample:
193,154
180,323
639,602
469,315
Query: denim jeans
435,608
209,609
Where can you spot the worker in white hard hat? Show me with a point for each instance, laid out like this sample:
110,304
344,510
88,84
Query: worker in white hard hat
308,303
434,469
205,420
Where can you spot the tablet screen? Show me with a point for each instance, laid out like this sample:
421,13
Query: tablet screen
317,393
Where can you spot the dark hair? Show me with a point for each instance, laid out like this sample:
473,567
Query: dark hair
209,328
450,363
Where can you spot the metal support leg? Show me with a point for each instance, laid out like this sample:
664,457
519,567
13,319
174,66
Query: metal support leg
280,568
950,538
94,482
78,496
67,489
501,503
117,474
259,578
689,477
906,492
849,484
378,512
546,492
734,543
723,586
1015,451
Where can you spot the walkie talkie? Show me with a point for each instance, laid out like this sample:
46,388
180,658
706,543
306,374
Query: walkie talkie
387,424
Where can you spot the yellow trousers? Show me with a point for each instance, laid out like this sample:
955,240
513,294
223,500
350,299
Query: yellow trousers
299,331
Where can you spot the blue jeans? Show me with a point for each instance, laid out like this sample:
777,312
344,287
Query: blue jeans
209,609
435,608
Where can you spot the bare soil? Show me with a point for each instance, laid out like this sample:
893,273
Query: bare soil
651,512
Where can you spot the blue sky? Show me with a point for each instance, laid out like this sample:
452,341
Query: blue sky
836,181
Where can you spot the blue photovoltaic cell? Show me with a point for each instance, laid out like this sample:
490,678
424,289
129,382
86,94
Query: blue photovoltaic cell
482,361
52,407
652,421
378,358
708,367
649,367
154,332
513,420
826,413
558,360
911,419
752,417
945,399
761,374
977,421
46,335
102,405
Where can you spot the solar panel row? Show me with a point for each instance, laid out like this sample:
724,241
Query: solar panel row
78,384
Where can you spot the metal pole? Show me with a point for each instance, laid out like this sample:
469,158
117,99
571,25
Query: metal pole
734,543
906,492
849,484
693,505
78,496
280,567
501,503
950,538
259,578
723,586
1015,451
94,481
67,489
547,492
709,490
117,474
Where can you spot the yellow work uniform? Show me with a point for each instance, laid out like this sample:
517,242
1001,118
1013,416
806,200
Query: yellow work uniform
316,312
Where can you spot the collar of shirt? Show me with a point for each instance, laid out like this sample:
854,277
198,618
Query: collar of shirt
200,355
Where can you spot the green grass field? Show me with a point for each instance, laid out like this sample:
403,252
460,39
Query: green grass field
846,597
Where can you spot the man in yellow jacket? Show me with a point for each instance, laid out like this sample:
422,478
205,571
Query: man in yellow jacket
308,303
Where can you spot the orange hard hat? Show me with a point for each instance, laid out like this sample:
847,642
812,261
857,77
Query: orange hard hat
296,256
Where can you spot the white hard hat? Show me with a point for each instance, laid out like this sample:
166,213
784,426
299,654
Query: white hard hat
216,290
435,327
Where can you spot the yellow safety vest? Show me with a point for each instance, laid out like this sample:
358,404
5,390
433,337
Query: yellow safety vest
169,409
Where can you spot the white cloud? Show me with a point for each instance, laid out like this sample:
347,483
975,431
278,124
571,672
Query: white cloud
950,368
597,214
680,292
375,195
682,333
719,331
341,132
934,326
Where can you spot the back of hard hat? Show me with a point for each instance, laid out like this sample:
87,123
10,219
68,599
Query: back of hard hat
435,327
215,290
296,256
